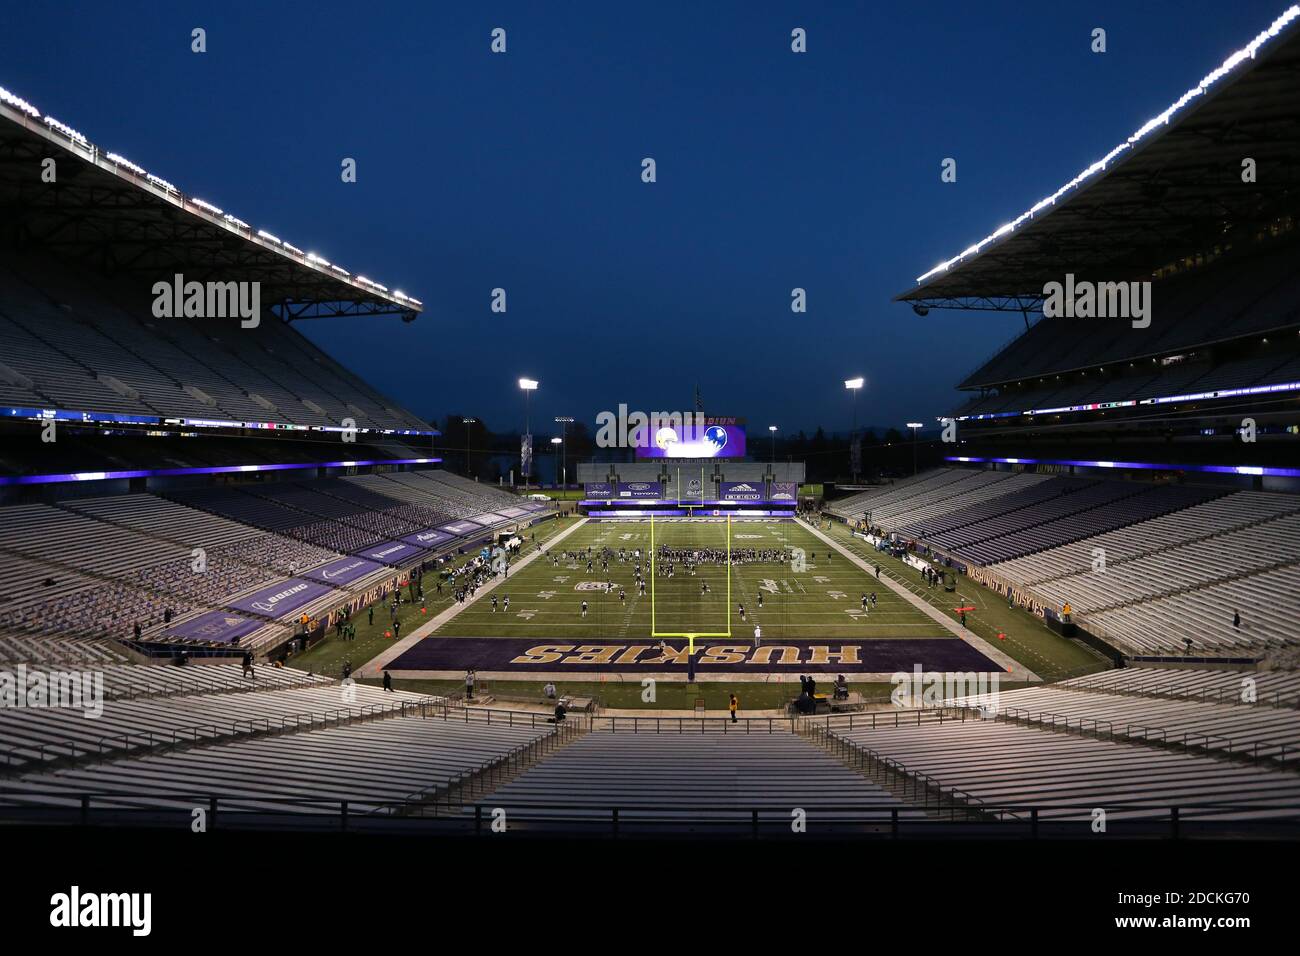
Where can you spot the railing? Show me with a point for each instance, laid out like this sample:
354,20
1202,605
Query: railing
755,820
683,725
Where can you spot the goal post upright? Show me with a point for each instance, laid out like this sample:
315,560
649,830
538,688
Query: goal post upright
654,573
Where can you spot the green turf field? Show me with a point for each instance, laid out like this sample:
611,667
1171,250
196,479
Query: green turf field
1025,638
818,597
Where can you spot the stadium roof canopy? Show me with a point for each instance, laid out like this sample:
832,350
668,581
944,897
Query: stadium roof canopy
118,218
1173,188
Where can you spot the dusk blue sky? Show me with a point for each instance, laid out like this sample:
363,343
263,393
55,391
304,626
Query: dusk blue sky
522,171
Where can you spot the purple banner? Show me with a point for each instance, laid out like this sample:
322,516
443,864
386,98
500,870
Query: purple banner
343,570
598,489
785,491
514,512
390,552
428,539
461,528
282,599
639,489
534,506
741,491
217,626
490,518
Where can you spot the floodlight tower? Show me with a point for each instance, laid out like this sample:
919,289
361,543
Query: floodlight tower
915,426
854,385
528,386
564,421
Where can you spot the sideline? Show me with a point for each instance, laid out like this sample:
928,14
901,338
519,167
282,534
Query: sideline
375,666
1014,670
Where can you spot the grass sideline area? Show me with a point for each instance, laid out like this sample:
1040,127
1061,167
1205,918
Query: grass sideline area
327,656
1027,639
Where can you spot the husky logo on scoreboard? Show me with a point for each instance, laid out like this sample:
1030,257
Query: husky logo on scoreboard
785,491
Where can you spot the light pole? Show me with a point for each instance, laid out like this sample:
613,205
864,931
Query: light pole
557,442
772,430
529,386
469,449
564,421
853,385
914,426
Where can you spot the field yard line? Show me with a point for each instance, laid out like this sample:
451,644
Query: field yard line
1014,669
375,666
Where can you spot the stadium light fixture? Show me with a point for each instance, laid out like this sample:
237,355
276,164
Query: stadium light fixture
161,183
771,430
67,131
18,103
1162,119
125,163
564,421
854,385
528,385
915,426
93,154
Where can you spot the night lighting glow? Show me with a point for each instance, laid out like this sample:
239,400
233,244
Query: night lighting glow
1162,119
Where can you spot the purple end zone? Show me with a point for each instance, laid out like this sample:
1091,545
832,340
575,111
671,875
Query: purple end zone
884,655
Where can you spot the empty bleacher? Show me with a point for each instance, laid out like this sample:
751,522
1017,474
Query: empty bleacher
1007,770
694,778
1256,733
1266,688
74,347
371,766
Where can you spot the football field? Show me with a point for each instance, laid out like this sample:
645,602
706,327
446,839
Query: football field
807,599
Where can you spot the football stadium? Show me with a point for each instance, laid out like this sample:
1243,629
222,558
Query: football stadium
245,590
